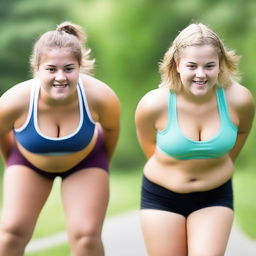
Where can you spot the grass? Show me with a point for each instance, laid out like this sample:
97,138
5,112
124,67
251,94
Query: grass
245,208
125,191
52,218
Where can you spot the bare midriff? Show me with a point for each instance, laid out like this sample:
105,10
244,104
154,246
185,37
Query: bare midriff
185,176
58,163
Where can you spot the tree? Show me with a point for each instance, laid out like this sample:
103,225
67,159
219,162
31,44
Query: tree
21,23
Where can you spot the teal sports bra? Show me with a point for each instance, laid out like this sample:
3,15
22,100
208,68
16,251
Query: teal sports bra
172,142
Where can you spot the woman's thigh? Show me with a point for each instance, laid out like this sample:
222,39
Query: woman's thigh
164,232
85,196
24,194
208,231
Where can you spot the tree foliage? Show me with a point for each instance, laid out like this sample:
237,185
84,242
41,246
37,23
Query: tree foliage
21,23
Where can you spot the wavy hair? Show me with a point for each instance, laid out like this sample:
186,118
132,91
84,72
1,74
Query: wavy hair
198,34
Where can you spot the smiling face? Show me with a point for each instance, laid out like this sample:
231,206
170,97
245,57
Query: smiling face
198,67
58,73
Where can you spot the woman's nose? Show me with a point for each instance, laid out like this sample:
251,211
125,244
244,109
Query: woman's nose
200,72
60,76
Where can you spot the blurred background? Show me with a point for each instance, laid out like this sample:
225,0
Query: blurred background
128,39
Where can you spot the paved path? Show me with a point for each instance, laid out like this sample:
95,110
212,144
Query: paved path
122,237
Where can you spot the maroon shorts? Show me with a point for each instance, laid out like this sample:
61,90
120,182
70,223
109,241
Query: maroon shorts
97,158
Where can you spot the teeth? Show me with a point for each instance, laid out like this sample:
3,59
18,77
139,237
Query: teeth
60,85
200,82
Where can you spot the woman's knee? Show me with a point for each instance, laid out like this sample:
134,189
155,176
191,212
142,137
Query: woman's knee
87,239
14,236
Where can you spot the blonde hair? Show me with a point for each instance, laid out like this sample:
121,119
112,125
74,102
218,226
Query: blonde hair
197,34
67,35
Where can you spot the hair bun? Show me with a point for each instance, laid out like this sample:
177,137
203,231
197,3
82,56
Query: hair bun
71,29
67,28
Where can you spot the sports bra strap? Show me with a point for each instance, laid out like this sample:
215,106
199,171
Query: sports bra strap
172,109
223,107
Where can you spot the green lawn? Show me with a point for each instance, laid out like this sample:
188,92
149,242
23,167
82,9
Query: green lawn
245,207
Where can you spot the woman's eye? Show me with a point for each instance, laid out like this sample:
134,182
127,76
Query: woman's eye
51,69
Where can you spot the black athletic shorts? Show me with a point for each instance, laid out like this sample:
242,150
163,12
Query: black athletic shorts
157,197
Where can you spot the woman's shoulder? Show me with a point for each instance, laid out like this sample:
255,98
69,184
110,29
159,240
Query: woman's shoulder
98,93
95,87
18,94
154,98
240,98
153,102
15,101
92,83
239,95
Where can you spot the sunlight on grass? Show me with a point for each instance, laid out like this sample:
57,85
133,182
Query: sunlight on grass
245,207
52,218
125,191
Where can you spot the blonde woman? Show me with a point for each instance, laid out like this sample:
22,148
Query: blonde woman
192,129
65,123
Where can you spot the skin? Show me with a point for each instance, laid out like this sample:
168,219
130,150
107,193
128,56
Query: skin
58,116
198,119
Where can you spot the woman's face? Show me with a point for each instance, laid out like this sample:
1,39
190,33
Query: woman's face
198,67
58,73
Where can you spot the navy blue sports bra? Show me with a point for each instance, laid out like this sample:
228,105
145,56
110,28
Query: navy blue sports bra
172,142
31,138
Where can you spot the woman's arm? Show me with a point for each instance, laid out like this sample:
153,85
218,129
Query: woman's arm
245,110
7,119
109,118
145,120
12,105
6,142
105,109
